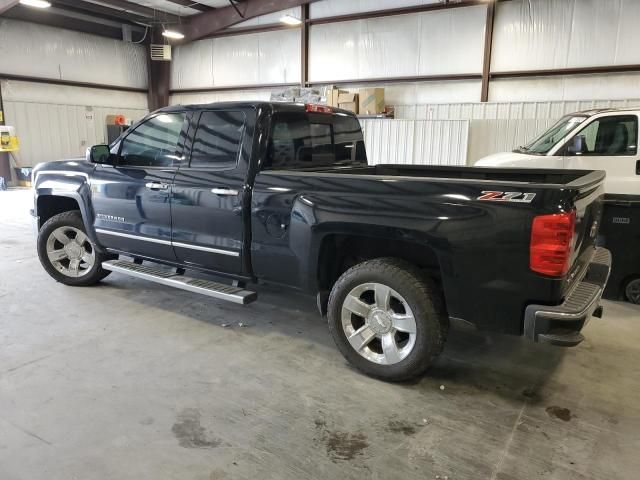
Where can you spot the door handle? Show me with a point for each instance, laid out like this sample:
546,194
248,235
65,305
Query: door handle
637,167
224,191
157,186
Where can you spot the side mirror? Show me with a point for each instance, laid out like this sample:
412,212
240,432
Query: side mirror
100,154
577,146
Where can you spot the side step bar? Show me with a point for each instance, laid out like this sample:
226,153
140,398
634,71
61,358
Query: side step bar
173,279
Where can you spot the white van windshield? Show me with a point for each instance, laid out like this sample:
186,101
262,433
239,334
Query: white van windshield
551,137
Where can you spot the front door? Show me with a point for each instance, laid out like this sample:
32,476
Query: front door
608,143
208,193
131,200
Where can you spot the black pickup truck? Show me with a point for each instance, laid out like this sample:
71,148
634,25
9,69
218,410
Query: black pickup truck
282,193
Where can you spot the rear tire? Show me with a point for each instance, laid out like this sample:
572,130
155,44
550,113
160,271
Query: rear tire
632,291
387,319
67,253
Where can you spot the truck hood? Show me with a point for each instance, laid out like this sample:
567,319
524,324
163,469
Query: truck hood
506,159
79,164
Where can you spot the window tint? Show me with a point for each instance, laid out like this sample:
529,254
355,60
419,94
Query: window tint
153,143
609,136
217,140
300,140
349,143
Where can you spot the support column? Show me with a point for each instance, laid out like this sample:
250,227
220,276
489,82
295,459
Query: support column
304,46
5,161
488,43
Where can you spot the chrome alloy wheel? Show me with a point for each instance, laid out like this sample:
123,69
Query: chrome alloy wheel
378,323
70,252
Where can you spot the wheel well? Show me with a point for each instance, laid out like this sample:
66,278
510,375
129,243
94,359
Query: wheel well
338,253
50,205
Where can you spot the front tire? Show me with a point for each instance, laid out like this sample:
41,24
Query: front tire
387,319
66,252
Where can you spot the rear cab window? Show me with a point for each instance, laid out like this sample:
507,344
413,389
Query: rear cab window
301,140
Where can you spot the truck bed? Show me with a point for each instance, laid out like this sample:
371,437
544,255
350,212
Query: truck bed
561,178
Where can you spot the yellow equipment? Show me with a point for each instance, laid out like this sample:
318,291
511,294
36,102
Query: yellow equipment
8,139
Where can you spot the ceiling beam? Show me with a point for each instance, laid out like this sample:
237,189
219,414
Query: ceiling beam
6,5
193,5
149,13
207,23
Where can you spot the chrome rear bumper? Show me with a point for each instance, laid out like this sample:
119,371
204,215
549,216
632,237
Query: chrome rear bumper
561,324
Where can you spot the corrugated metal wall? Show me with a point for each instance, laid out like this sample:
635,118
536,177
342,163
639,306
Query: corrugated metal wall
416,141
54,121
505,110
51,132
502,126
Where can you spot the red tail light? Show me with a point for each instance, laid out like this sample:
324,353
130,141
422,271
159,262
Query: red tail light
312,107
551,243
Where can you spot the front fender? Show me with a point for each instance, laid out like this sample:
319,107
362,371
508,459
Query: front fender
67,184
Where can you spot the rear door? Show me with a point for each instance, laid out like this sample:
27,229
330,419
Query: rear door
131,200
208,192
609,143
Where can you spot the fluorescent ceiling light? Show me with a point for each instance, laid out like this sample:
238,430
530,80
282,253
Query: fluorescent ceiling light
290,20
173,34
35,3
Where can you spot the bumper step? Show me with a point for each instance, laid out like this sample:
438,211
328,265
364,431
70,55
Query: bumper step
561,338
173,279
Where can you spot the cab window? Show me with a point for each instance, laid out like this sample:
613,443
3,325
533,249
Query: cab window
299,140
606,136
154,143
217,140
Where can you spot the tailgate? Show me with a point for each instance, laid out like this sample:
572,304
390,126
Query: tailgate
588,204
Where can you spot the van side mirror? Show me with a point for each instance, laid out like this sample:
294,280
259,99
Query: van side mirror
577,145
100,154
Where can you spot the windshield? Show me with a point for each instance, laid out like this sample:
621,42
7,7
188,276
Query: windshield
548,139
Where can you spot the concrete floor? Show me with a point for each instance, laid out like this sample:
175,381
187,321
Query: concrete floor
129,380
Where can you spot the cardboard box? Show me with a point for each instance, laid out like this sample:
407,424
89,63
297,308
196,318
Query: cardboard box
371,101
348,101
332,96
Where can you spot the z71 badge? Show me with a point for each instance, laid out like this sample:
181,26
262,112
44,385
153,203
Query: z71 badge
518,197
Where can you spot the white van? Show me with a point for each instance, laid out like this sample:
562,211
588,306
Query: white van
590,140
597,140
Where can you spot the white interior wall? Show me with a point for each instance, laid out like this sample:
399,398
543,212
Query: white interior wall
553,34
224,96
54,122
35,50
331,8
430,43
569,87
528,34
259,58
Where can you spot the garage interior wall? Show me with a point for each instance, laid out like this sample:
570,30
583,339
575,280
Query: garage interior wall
55,121
58,121
528,35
